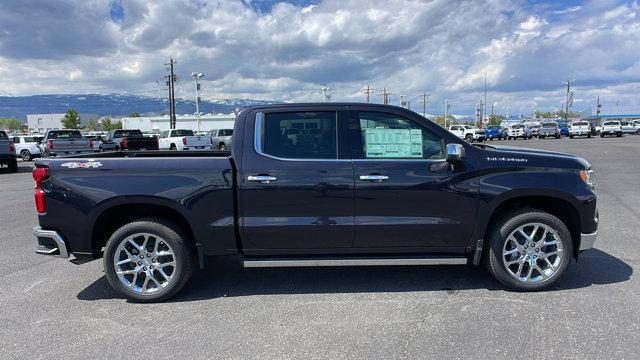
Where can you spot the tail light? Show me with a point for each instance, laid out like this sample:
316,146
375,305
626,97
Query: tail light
12,148
184,141
158,142
125,143
40,174
91,143
50,144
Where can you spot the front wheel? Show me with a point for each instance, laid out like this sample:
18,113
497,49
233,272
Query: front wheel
469,138
222,147
148,260
529,250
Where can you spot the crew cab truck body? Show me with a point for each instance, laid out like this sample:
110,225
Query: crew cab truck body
516,131
127,140
8,152
183,140
371,185
65,142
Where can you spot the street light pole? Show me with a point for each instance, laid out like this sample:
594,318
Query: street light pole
446,112
195,77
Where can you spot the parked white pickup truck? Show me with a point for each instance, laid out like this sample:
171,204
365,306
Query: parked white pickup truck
467,132
183,140
579,128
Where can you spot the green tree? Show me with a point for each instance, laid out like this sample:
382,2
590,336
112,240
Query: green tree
106,123
92,126
134,114
71,119
117,125
13,124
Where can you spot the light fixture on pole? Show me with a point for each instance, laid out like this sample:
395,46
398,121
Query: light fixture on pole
195,77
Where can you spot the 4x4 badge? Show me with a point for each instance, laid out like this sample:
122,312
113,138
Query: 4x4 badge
82,165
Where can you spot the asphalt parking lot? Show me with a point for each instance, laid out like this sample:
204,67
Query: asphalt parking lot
51,308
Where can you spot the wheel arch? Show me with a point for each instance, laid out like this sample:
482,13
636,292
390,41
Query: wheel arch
554,204
114,215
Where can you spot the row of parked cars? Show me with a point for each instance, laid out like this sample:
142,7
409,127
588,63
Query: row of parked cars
68,142
553,129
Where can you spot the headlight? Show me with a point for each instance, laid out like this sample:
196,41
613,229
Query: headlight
587,177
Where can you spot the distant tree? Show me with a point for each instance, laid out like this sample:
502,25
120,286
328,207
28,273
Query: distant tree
495,120
13,124
134,114
92,126
3,123
106,123
71,119
117,125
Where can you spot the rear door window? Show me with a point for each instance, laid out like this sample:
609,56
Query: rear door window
284,135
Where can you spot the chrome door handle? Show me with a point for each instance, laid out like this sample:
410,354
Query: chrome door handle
264,179
374,177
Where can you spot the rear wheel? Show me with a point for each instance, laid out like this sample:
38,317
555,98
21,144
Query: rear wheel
222,147
528,250
26,155
148,260
173,147
469,138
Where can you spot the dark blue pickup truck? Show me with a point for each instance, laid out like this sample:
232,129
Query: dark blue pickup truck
333,184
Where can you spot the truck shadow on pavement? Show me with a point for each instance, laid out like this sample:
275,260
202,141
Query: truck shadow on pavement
227,279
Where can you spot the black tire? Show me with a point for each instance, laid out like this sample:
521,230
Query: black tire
13,166
601,135
570,136
26,155
170,233
619,134
588,136
173,147
222,147
506,225
469,138
557,136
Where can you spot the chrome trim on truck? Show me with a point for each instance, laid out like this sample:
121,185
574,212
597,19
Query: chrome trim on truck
56,237
353,262
588,240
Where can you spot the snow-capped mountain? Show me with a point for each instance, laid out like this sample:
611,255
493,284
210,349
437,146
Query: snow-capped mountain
113,104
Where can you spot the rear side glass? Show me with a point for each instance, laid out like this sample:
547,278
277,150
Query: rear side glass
301,135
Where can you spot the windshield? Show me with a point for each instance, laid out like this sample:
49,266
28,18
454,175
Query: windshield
65,134
225,132
517,127
581,123
493,127
549,125
612,123
3,136
182,133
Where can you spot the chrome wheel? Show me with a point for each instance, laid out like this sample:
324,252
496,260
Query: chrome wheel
144,263
532,253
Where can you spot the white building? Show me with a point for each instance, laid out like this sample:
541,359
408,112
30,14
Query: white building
41,123
159,123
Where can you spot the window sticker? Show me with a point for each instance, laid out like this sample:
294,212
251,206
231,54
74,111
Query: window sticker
393,143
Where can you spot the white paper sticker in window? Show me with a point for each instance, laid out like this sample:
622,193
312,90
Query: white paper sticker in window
393,143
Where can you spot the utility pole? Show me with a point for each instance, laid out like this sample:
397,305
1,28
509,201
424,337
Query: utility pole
446,111
171,81
326,95
385,96
566,108
195,77
367,92
424,100
598,110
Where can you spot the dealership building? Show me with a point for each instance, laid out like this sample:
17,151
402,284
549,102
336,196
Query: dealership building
41,123
156,124
620,113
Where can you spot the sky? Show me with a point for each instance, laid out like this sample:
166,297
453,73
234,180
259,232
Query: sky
290,50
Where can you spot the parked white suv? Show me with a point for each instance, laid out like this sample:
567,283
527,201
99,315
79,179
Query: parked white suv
579,128
611,128
27,146
183,140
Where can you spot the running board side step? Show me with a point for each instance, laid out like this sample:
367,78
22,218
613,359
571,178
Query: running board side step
292,262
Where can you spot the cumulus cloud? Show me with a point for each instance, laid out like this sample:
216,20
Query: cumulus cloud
289,50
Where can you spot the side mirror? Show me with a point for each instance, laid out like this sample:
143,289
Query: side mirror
455,152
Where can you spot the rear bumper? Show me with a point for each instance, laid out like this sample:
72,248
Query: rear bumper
50,242
8,157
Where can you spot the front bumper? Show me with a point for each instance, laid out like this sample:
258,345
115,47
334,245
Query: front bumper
588,240
50,242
